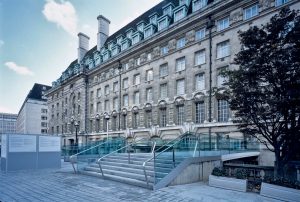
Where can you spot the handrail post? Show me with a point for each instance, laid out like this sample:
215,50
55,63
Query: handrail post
173,157
101,168
195,148
153,147
128,151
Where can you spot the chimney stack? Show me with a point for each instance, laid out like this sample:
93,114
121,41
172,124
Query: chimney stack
83,46
103,31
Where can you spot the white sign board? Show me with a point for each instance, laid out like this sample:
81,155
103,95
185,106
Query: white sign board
49,144
3,146
22,143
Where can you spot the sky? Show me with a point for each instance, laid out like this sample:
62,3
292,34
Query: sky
38,39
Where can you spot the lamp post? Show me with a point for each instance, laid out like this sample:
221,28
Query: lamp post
76,124
106,116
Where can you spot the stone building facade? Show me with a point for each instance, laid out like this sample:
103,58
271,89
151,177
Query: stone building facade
159,76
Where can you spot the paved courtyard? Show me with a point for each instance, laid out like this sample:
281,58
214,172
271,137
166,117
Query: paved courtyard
63,185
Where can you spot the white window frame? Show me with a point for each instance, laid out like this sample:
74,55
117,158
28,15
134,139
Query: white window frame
180,64
200,82
149,75
251,12
137,79
223,49
125,100
149,94
136,98
180,87
180,43
163,70
200,34
199,4
280,2
125,83
223,23
200,57
163,91
178,17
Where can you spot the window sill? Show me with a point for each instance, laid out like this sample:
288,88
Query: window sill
222,58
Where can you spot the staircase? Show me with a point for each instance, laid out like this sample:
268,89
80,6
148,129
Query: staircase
117,167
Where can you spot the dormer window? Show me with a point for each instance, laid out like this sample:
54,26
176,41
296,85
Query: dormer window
136,37
163,22
184,2
106,55
140,26
180,13
125,44
120,39
149,30
168,9
91,64
115,50
97,58
129,33
110,45
153,19
199,4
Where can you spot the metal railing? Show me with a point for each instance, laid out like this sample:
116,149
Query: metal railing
128,152
73,158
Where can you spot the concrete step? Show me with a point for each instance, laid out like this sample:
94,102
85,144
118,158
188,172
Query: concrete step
163,164
125,180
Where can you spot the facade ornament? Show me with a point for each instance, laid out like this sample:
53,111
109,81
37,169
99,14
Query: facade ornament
162,104
153,131
131,63
148,107
172,45
114,113
221,94
199,97
124,111
135,110
111,72
156,52
265,4
236,16
97,116
129,133
188,127
143,58
179,101
190,36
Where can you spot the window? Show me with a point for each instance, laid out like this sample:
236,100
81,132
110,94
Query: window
167,11
137,79
140,27
164,50
223,23
200,34
280,2
137,61
124,46
180,64
135,120
149,56
149,95
200,112
115,103
200,57
180,89
251,12
124,122
164,91
135,39
136,98
221,80
98,107
162,24
163,118
223,49
148,119
178,15
180,43
223,111
199,82
99,92
114,123
198,4
125,101
125,83
106,105
91,109
106,89
148,32
163,70
92,95
116,86
180,115
149,75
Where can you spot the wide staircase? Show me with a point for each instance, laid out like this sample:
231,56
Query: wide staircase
143,163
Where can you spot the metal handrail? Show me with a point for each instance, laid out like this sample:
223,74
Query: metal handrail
99,160
72,158
145,162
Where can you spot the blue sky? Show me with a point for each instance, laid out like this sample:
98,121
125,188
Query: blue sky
38,39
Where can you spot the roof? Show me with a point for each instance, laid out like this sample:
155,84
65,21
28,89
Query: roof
37,92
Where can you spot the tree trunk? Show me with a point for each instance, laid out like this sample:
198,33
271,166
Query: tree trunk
278,169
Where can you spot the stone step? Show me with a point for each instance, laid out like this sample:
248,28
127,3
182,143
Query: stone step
130,175
130,170
125,180
164,164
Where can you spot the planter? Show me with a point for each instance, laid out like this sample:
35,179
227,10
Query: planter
279,192
228,183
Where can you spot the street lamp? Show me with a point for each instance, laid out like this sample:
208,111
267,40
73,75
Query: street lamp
106,116
76,124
